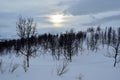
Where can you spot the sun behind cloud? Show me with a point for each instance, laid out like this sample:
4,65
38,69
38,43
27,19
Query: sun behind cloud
57,19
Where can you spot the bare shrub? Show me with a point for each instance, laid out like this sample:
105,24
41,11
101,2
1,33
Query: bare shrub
62,69
1,67
14,67
80,77
8,67
0,64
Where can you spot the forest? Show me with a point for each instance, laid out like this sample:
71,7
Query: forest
66,44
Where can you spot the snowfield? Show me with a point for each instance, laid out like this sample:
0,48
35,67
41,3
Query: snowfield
87,65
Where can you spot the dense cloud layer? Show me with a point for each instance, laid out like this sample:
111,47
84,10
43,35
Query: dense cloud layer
80,13
82,7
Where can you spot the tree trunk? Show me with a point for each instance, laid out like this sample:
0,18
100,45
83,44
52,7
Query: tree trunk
115,60
116,54
27,61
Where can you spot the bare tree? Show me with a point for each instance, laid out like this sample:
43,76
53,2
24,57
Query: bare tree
116,54
115,44
26,29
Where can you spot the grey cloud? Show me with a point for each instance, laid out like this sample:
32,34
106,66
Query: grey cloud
52,30
103,20
42,19
83,7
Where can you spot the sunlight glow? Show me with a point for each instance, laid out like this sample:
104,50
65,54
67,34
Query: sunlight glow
57,19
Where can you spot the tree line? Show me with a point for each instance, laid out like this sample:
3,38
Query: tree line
66,44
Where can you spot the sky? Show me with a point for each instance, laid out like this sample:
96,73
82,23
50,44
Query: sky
74,14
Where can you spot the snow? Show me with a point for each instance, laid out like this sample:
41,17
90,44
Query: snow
86,66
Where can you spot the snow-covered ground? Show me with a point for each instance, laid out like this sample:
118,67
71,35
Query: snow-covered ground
86,66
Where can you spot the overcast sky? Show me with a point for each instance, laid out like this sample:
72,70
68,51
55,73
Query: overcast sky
79,14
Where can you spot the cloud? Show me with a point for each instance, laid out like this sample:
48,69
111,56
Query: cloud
80,12
11,10
103,17
33,6
104,20
82,7
93,12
